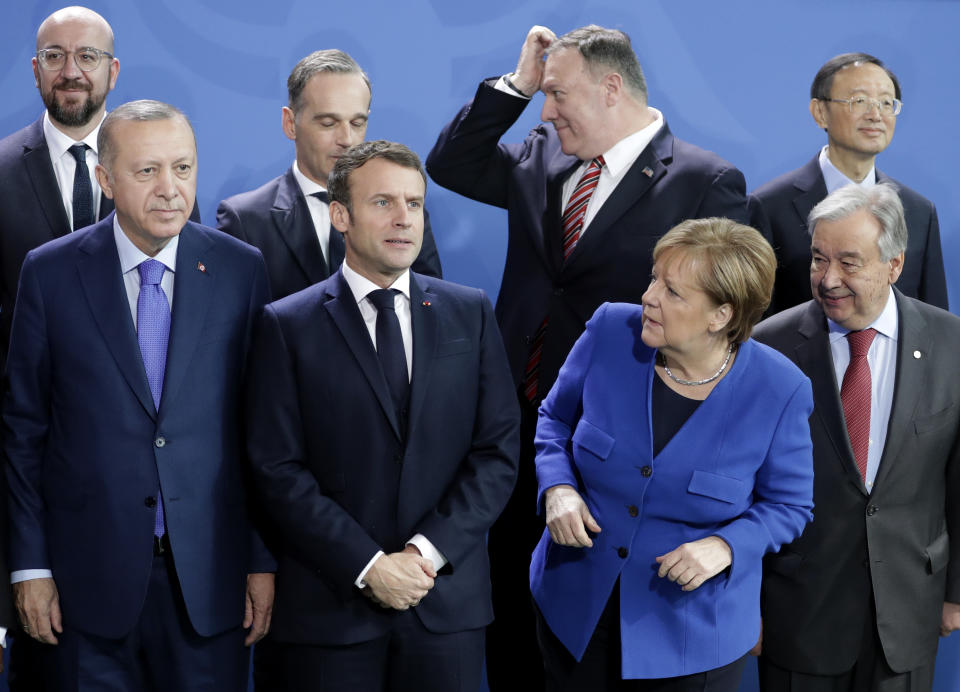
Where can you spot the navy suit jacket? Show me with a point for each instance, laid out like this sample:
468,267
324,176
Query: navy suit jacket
87,450
341,479
740,468
779,210
275,219
894,551
671,181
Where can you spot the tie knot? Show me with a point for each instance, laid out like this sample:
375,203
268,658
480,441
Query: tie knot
322,196
382,298
598,162
79,152
151,271
860,342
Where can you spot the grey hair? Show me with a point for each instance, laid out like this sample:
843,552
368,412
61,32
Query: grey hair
882,201
143,110
606,48
330,60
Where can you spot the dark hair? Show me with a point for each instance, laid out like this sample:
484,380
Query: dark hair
141,111
331,60
338,184
823,82
606,48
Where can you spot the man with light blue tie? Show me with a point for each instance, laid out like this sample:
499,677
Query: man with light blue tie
132,551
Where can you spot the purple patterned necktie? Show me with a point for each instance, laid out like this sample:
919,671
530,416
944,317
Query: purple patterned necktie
153,332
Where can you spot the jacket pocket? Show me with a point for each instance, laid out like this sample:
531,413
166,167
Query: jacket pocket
451,348
938,553
593,439
934,421
723,488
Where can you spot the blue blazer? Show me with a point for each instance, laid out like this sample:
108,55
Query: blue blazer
87,448
740,468
340,478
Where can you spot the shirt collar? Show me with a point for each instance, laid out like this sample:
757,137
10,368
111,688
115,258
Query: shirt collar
361,286
835,179
131,256
887,323
58,143
622,154
307,186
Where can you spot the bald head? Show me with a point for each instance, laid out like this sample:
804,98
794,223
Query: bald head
76,16
75,69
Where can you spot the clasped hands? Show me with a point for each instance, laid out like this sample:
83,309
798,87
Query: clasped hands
689,565
399,580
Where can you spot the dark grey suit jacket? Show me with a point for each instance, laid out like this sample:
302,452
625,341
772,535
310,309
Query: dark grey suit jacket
900,544
275,219
779,210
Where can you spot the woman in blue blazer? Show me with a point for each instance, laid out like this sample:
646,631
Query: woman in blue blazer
673,452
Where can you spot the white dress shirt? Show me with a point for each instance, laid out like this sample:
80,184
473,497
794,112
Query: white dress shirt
617,161
130,259
835,179
361,287
319,211
882,358
65,166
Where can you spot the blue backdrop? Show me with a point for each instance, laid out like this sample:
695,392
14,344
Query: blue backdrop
733,77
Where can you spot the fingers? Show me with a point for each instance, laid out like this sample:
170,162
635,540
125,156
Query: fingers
568,517
692,564
589,521
529,70
39,608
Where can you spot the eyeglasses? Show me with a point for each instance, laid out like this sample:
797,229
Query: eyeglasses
861,105
87,59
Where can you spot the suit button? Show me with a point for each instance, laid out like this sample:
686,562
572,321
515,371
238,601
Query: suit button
872,509
160,441
633,510
622,552
646,472
150,502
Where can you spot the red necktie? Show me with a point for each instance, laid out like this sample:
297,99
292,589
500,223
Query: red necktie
855,396
572,222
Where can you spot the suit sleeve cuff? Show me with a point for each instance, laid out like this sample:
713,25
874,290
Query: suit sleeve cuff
428,550
359,582
504,86
25,574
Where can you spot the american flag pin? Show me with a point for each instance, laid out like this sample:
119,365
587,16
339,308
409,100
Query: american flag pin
425,303
202,267
647,171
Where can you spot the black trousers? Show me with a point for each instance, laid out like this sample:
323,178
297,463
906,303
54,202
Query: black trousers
163,653
410,657
512,651
600,668
870,673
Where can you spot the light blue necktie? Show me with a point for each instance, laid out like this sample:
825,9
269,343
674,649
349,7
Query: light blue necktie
153,332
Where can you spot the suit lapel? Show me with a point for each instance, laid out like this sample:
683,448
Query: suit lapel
423,313
549,242
343,309
811,189
909,382
102,284
36,159
192,292
295,226
649,168
816,360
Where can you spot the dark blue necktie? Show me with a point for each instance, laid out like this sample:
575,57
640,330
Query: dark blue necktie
335,246
153,332
393,358
82,191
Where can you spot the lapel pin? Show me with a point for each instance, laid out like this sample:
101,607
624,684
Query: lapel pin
647,171
917,354
425,303
202,267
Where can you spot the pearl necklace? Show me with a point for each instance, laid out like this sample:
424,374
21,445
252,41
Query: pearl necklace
695,383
